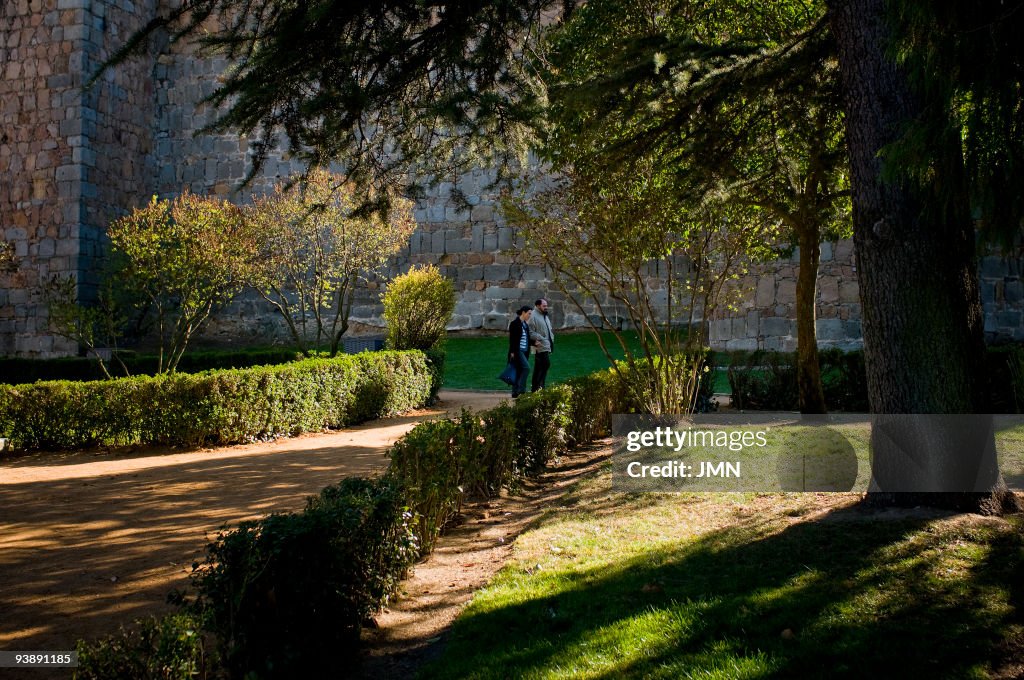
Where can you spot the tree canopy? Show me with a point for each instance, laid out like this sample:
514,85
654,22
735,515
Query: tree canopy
384,88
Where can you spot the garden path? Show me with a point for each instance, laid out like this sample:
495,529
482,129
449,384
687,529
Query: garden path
90,540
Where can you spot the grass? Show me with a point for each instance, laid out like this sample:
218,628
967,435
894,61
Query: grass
474,363
736,585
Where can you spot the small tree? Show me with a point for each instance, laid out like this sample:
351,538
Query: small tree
417,308
623,248
181,258
308,248
91,327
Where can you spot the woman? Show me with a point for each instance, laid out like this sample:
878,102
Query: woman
519,348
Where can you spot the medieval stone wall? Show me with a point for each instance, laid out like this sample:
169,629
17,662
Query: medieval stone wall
73,160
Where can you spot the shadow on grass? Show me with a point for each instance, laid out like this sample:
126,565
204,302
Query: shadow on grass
831,598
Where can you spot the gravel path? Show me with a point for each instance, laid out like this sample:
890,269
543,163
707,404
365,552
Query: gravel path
91,540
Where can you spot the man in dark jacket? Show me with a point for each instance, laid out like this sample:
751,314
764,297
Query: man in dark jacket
519,343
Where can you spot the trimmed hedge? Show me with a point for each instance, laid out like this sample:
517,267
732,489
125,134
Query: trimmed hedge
216,407
14,371
286,596
767,380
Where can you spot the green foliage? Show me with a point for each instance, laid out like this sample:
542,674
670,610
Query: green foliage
168,648
16,370
764,380
388,90
287,595
417,308
964,62
308,248
218,407
181,258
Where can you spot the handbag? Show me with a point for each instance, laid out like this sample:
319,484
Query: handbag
508,376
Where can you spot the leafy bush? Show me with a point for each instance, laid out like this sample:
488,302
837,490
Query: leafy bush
287,595
763,380
169,648
308,248
636,383
218,407
417,308
14,371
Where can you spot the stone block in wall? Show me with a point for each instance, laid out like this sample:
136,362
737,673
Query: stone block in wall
497,272
459,245
495,322
828,289
777,326
499,293
849,292
471,273
482,213
753,324
1012,291
741,344
786,292
829,330
764,295
1008,319
505,238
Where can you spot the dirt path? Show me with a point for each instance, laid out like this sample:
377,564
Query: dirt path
412,630
91,540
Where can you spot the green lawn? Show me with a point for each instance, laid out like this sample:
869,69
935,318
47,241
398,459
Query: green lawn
474,363
746,586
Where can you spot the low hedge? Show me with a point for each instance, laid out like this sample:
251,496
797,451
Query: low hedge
285,596
16,371
766,380
215,407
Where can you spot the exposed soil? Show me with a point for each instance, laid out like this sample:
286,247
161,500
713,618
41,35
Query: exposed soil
91,540
411,630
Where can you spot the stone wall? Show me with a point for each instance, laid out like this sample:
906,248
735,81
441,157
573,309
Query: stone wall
73,160
765,317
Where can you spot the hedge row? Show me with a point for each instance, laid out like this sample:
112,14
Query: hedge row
15,371
216,407
766,380
287,595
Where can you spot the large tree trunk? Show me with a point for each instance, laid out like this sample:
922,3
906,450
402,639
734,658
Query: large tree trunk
808,369
922,315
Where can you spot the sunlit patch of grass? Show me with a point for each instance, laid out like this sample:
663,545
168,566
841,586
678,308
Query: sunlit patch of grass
745,585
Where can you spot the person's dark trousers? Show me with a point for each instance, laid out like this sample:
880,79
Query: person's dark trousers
540,370
522,370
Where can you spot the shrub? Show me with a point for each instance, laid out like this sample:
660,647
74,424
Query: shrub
287,595
417,308
636,383
169,648
763,380
218,407
14,371
309,247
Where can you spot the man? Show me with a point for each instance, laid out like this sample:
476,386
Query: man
543,343
518,348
